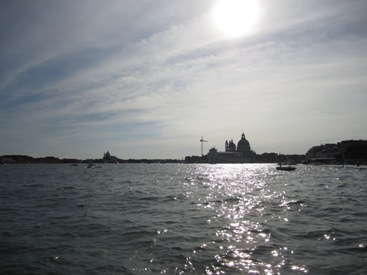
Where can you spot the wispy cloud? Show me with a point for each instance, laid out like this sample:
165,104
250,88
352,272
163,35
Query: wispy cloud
147,79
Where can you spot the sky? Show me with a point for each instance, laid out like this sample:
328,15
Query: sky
148,79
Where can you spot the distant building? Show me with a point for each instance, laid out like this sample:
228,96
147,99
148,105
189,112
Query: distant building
346,151
107,157
230,146
232,154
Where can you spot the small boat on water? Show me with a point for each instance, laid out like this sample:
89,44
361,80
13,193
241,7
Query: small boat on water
286,168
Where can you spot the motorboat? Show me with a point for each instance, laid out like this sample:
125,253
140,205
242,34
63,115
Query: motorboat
286,168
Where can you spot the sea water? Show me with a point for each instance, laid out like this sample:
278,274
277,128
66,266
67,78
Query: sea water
181,218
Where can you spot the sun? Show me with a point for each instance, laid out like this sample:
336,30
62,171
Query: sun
235,17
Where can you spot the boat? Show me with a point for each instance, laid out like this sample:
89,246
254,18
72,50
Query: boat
286,168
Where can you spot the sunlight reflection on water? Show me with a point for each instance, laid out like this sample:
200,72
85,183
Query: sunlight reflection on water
239,196
175,219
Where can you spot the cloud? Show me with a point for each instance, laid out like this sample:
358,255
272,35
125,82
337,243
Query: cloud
122,75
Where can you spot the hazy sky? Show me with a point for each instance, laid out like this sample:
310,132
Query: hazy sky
147,79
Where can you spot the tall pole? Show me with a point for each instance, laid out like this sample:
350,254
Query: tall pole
202,141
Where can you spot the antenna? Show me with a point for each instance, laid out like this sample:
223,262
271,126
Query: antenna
202,141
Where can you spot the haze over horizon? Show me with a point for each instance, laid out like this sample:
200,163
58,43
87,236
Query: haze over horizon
148,79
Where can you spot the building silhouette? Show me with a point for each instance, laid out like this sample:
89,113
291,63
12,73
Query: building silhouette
241,153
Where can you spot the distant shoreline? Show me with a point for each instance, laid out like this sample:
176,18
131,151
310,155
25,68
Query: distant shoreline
347,152
24,159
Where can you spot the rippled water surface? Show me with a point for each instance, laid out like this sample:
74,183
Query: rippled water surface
174,218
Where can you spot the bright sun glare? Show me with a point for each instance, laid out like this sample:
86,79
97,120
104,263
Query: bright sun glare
235,17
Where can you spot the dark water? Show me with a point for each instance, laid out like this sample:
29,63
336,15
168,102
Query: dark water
173,219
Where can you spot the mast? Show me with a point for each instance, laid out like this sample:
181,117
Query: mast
202,141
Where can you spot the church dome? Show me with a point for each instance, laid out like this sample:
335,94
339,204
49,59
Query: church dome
243,145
